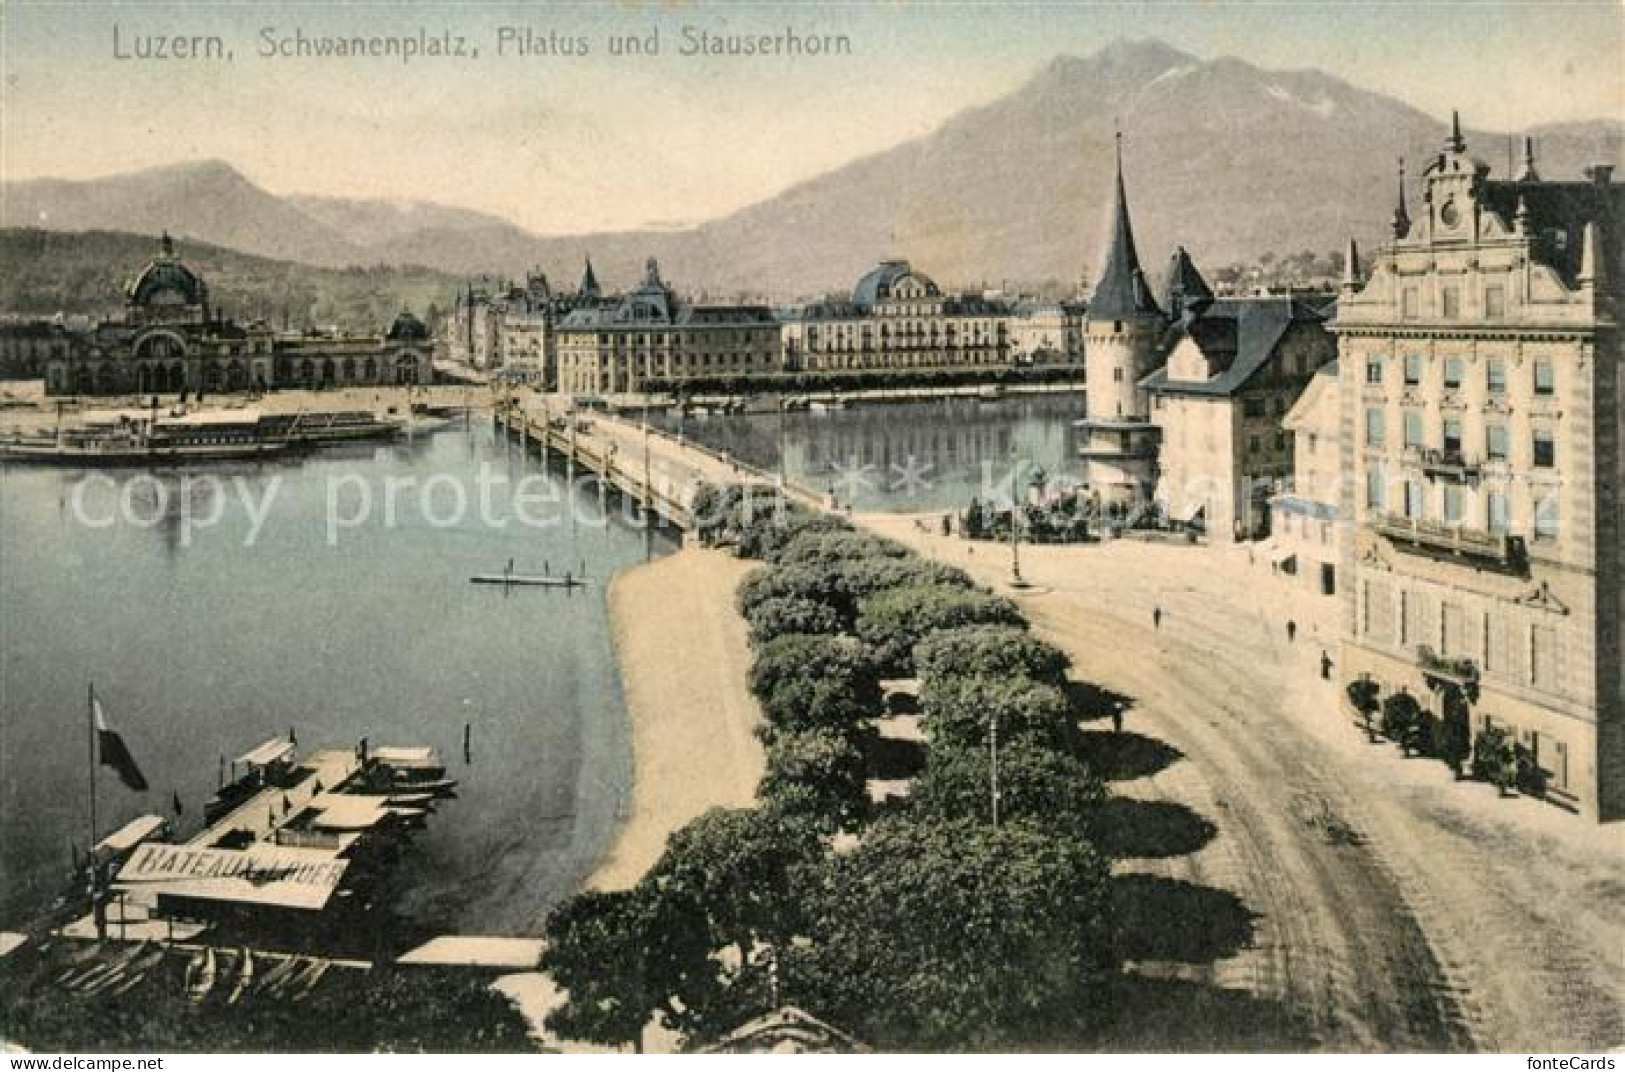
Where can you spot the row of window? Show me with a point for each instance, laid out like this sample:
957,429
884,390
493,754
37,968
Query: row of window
1528,653
1497,439
1495,302
659,338
1453,505
1543,376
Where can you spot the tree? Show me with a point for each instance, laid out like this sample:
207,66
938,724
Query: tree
1494,759
818,774
779,616
619,961
960,708
738,876
831,545
895,619
1454,743
766,532
841,584
742,868
955,934
1402,720
865,576
1364,695
813,681
1051,788
802,582
990,649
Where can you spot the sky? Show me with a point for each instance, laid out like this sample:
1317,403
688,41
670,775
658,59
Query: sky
566,144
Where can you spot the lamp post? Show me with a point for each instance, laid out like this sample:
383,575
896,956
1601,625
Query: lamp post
993,749
1016,580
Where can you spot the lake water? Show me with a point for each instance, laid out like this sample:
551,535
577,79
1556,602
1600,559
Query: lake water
917,456
203,640
336,620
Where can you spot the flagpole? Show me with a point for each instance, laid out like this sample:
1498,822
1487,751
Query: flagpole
90,715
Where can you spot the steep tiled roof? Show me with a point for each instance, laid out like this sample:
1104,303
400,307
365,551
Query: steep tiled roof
1238,336
1122,293
1185,288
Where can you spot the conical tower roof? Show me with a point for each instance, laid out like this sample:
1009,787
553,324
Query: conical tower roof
1185,289
589,282
1122,293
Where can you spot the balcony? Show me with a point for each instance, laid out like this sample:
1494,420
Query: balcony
1485,549
1448,670
1446,463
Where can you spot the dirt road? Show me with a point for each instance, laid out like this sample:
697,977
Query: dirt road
1364,897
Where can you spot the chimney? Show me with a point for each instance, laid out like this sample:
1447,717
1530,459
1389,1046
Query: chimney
1601,174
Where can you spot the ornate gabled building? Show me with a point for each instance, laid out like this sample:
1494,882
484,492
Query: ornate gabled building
612,346
171,339
1123,330
1481,396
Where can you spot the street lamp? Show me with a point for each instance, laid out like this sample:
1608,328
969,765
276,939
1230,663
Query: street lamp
1016,580
993,749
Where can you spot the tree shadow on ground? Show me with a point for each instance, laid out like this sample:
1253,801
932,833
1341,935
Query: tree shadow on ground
1153,1015
1167,919
1152,829
889,758
1091,702
1121,757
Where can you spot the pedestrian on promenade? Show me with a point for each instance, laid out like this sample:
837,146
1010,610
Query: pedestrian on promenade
1291,630
1156,618
1117,717
1325,666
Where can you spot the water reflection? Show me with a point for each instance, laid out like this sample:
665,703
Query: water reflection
912,456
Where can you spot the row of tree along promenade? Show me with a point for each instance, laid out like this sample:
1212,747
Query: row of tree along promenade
974,912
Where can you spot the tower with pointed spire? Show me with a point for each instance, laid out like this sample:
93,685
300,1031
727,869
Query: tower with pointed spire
589,282
1401,224
1481,392
1123,327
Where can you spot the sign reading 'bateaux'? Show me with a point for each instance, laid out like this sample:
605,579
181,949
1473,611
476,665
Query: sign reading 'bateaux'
265,874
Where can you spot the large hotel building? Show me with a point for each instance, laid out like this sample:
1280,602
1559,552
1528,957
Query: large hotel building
1479,373
650,334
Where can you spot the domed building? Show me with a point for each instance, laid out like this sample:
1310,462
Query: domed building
898,318
167,291
171,339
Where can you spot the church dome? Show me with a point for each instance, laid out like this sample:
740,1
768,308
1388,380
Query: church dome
407,328
167,282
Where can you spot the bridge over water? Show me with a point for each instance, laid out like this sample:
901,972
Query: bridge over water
657,470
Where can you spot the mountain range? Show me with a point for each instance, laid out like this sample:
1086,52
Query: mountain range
1227,158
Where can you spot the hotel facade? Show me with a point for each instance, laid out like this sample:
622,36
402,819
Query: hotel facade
650,335
898,318
1481,399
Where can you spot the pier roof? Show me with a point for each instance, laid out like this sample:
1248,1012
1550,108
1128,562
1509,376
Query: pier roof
263,755
132,833
274,876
